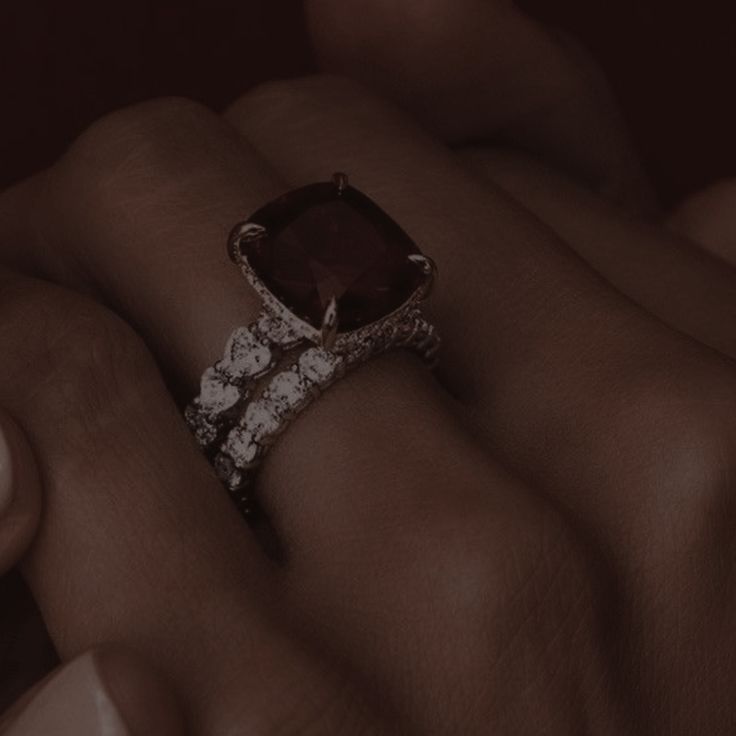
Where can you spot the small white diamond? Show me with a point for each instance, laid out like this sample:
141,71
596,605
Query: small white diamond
247,358
204,431
287,389
241,447
241,339
234,481
224,466
216,395
276,330
260,419
318,365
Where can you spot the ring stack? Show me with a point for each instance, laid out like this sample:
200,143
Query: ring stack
340,282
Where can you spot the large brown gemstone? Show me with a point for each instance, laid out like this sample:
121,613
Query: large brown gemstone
323,243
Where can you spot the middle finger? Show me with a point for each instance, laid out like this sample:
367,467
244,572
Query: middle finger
140,209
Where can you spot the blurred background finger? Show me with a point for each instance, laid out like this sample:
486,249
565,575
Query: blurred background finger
686,281
482,71
709,219
106,692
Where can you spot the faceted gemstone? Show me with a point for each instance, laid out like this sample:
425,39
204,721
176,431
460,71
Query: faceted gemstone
228,473
287,389
241,447
318,365
246,355
277,331
205,431
260,419
216,395
323,243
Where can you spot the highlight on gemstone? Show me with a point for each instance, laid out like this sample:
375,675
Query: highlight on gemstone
323,242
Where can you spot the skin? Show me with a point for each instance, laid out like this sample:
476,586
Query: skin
537,540
68,700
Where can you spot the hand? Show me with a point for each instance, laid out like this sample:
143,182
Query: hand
542,549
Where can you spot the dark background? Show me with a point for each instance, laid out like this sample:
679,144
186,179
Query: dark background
63,64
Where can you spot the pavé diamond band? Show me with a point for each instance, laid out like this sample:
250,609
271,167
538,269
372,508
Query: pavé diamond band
251,352
340,283
292,389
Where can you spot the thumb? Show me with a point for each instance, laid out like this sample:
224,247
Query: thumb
106,692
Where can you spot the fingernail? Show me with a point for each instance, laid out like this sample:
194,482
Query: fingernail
76,701
6,475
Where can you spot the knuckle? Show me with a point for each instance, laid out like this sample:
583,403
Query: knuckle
521,591
155,135
307,93
147,123
528,557
151,159
668,443
688,412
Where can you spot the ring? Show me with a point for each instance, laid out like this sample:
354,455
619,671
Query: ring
340,283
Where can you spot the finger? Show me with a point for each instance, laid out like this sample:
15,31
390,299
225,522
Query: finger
541,351
164,268
405,467
709,219
102,693
628,425
20,493
167,270
669,275
139,543
477,71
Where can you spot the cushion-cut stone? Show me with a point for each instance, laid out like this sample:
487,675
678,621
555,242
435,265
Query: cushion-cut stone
323,243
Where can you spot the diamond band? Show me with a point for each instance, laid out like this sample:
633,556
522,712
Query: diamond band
293,389
250,353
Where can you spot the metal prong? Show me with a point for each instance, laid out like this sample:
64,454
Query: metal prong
328,335
429,269
341,181
246,232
